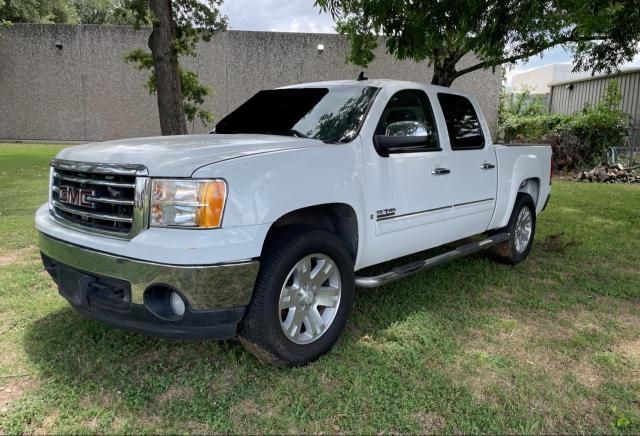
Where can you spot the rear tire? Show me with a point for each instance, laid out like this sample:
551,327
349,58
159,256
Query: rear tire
522,229
302,297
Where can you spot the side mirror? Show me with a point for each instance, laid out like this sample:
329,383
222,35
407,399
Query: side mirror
406,137
407,128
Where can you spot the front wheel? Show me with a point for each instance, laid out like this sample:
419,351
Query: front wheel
302,298
521,228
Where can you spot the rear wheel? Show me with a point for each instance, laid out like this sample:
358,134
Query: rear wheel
302,298
521,228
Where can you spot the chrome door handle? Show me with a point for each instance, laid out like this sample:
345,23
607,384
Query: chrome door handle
440,171
487,166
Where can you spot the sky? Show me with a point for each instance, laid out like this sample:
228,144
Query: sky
302,16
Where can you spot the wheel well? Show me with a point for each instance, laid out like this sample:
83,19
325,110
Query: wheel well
531,187
338,218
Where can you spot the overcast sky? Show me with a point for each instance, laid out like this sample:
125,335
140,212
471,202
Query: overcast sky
302,16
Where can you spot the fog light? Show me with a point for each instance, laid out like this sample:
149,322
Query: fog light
177,304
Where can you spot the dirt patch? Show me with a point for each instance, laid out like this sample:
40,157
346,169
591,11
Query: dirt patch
150,421
223,381
239,413
555,351
493,354
7,259
431,422
246,408
556,243
102,398
18,256
587,375
327,382
12,390
47,424
630,350
176,393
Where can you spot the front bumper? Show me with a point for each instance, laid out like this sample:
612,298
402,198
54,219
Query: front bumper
112,289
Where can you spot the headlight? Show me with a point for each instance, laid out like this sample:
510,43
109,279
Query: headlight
187,203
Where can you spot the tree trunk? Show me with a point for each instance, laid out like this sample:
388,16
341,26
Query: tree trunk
162,43
444,74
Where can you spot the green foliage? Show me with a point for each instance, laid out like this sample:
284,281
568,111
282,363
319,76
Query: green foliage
524,103
595,129
193,92
195,20
66,11
601,34
103,12
37,11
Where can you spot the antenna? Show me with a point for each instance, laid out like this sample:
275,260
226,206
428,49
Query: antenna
361,76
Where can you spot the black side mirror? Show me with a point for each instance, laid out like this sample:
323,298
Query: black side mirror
386,145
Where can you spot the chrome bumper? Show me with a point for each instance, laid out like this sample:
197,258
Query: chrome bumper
205,287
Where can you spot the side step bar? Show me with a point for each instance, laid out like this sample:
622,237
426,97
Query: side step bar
403,271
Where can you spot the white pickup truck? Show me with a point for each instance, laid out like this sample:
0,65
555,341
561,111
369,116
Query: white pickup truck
259,230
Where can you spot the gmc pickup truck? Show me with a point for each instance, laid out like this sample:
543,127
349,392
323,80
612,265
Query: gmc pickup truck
260,230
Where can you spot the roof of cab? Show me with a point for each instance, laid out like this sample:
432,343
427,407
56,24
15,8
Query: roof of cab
378,83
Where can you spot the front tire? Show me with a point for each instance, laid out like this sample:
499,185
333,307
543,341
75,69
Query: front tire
522,229
302,297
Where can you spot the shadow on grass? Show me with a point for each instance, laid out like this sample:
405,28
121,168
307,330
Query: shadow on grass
390,361
74,349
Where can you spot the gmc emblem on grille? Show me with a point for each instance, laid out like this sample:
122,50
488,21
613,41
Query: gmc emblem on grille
75,196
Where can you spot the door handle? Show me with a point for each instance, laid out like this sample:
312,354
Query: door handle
440,171
487,166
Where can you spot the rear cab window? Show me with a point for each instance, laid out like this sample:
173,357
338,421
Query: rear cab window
463,124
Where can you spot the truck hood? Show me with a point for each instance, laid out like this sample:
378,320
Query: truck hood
180,156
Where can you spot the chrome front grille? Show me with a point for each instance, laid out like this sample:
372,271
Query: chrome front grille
100,198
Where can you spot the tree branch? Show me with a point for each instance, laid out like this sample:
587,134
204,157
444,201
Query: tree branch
527,54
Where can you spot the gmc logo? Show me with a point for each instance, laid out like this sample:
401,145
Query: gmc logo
75,196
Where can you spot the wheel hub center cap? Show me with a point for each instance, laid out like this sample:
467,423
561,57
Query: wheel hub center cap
307,294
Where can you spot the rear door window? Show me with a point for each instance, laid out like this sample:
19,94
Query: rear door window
463,125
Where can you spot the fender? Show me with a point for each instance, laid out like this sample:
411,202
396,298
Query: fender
256,184
527,166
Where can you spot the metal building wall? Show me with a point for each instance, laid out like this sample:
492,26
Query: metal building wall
570,97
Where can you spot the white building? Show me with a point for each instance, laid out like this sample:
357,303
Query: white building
538,80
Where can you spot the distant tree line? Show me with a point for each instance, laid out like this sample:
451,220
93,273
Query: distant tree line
66,11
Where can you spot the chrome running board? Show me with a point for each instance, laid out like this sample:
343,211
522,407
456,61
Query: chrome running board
403,271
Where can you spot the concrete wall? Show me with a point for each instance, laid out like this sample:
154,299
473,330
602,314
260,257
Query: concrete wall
570,97
64,82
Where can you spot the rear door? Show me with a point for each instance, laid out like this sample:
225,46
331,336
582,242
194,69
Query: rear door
472,162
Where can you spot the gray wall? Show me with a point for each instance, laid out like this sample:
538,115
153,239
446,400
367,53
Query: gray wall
570,97
84,91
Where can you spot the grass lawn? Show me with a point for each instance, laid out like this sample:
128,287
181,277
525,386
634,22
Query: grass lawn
551,345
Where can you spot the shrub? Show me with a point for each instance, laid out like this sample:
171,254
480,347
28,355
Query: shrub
577,140
568,151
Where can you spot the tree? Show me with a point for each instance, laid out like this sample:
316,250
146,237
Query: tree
178,26
103,12
37,11
602,34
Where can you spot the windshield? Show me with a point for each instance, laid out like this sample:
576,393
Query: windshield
329,114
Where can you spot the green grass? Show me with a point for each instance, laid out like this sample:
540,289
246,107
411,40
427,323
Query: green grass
549,346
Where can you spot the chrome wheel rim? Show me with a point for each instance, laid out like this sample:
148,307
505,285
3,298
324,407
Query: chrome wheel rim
524,226
310,298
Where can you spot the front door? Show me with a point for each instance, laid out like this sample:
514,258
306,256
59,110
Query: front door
408,203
